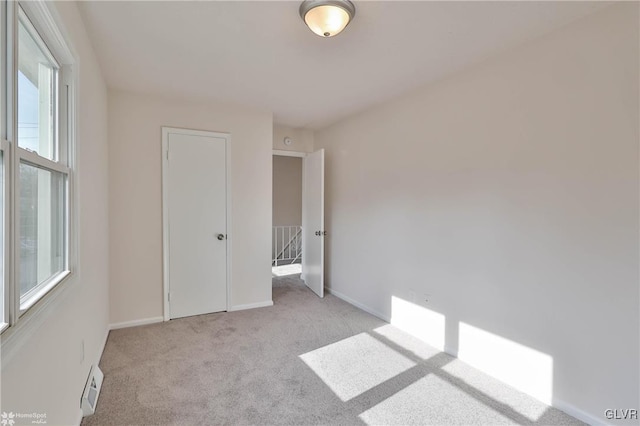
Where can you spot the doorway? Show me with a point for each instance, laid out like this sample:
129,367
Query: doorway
298,196
286,230
195,194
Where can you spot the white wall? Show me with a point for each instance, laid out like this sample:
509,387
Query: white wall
287,191
301,139
42,368
135,203
506,195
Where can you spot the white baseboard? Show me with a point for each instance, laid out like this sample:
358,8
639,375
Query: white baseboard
251,306
578,413
135,323
357,304
451,351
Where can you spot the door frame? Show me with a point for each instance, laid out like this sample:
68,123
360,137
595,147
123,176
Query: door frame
302,155
166,131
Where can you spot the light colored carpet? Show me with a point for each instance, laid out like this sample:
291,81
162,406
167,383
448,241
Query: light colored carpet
303,361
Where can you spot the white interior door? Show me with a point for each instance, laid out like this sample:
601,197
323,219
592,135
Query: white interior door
313,222
195,206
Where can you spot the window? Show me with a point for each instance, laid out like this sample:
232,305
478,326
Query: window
37,85
34,162
42,228
41,185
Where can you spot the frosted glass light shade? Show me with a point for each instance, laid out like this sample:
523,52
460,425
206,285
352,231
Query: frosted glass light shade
327,18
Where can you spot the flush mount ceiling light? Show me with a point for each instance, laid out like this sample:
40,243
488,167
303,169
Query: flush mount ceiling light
327,17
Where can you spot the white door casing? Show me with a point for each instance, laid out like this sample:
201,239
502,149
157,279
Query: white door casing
313,222
195,222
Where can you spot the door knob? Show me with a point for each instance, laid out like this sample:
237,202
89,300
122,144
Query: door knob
221,237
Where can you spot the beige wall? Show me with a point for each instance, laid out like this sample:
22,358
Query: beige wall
287,191
43,368
301,139
135,208
511,190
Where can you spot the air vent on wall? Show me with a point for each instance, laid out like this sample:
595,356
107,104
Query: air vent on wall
91,391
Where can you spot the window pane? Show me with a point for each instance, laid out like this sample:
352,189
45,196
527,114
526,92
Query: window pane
37,83
42,226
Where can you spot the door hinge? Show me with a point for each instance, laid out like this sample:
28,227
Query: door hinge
169,297
167,155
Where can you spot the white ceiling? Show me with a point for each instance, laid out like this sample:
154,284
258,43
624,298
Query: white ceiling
260,54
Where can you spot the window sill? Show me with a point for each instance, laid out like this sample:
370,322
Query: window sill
38,313
41,292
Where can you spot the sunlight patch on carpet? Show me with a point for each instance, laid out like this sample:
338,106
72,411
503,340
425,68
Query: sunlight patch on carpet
354,365
434,401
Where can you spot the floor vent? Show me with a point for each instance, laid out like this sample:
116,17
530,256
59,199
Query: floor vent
91,391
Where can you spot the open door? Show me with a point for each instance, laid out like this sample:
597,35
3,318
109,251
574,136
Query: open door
313,222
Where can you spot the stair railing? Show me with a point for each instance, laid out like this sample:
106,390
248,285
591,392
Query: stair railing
287,244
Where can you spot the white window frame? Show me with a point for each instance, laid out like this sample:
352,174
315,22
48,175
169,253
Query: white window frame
39,20
6,82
